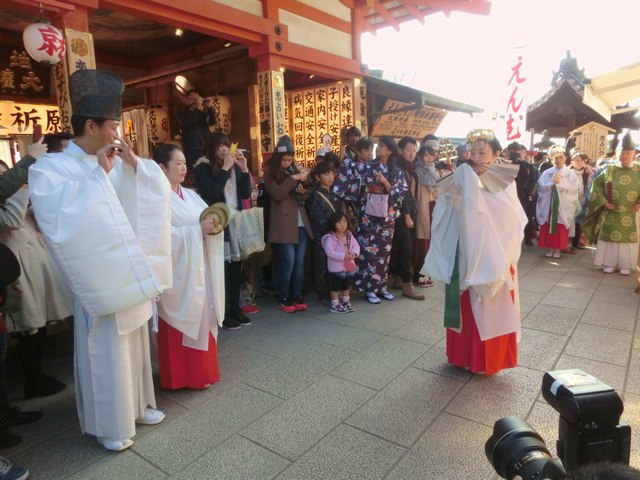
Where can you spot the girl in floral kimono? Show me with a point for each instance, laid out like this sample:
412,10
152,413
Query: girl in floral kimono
376,188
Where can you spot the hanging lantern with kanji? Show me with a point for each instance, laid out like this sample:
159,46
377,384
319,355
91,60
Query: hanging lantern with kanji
222,106
157,125
44,42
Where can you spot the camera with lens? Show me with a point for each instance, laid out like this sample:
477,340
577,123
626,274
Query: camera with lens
590,431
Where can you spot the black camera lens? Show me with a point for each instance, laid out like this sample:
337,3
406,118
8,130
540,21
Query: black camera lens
516,449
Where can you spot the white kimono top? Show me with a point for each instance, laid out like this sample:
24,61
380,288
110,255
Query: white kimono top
487,230
569,191
195,304
110,234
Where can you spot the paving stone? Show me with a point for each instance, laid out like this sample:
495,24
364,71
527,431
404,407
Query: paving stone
435,360
567,297
57,416
609,373
406,406
451,449
378,364
365,319
234,367
599,343
535,283
528,300
346,453
610,315
62,455
175,444
115,464
633,379
285,377
300,422
548,268
511,392
425,328
552,319
580,281
539,350
235,459
345,336
616,295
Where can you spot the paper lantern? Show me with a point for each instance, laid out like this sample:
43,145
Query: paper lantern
44,42
222,106
157,125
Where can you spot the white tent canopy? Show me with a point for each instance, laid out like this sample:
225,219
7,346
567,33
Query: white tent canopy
607,91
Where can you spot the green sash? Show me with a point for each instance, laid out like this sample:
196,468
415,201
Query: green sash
452,298
553,215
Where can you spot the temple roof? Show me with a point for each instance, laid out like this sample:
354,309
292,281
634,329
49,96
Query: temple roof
391,13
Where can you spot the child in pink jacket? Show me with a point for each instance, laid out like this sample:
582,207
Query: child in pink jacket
342,249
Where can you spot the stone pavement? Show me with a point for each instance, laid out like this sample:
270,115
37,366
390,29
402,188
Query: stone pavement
360,396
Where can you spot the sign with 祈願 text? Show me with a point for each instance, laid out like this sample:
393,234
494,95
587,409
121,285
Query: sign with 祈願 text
415,122
19,118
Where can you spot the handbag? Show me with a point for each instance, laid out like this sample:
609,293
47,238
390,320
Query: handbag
377,205
249,229
349,265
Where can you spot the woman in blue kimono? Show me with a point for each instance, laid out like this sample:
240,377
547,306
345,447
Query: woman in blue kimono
376,188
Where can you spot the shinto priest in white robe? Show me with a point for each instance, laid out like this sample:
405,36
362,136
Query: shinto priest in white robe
569,190
485,223
110,234
195,304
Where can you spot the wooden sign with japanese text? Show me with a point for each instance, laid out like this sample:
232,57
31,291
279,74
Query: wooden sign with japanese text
592,140
317,112
415,123
80,51
21,76
271,109
19,118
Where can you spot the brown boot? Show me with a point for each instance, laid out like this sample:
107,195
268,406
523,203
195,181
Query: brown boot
396,282
409,292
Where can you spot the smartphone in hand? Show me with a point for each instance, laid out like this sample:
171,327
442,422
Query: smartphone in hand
37,132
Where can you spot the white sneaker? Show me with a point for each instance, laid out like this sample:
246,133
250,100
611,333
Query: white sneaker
625,271
609,269
151,417
114,444
11,472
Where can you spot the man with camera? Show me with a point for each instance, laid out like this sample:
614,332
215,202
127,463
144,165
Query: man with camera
195,120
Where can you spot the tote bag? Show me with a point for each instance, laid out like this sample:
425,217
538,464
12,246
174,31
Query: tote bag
377,205
249,228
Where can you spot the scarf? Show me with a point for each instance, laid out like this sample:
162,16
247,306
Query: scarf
427,175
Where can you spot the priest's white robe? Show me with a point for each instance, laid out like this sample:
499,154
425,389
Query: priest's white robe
195,304
110,235
487,230
570,188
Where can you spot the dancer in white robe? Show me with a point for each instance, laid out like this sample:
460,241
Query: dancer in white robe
190,311
106,221
557,218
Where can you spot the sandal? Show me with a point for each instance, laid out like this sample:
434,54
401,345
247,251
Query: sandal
423,282
372,298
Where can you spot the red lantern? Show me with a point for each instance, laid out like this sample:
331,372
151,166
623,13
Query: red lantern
44,42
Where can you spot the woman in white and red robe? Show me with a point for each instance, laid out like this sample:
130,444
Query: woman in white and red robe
192,310
476,237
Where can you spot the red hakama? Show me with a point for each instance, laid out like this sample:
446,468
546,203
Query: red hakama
558,240
184,367
466,349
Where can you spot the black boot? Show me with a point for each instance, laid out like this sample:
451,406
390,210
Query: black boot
41,345
34,386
